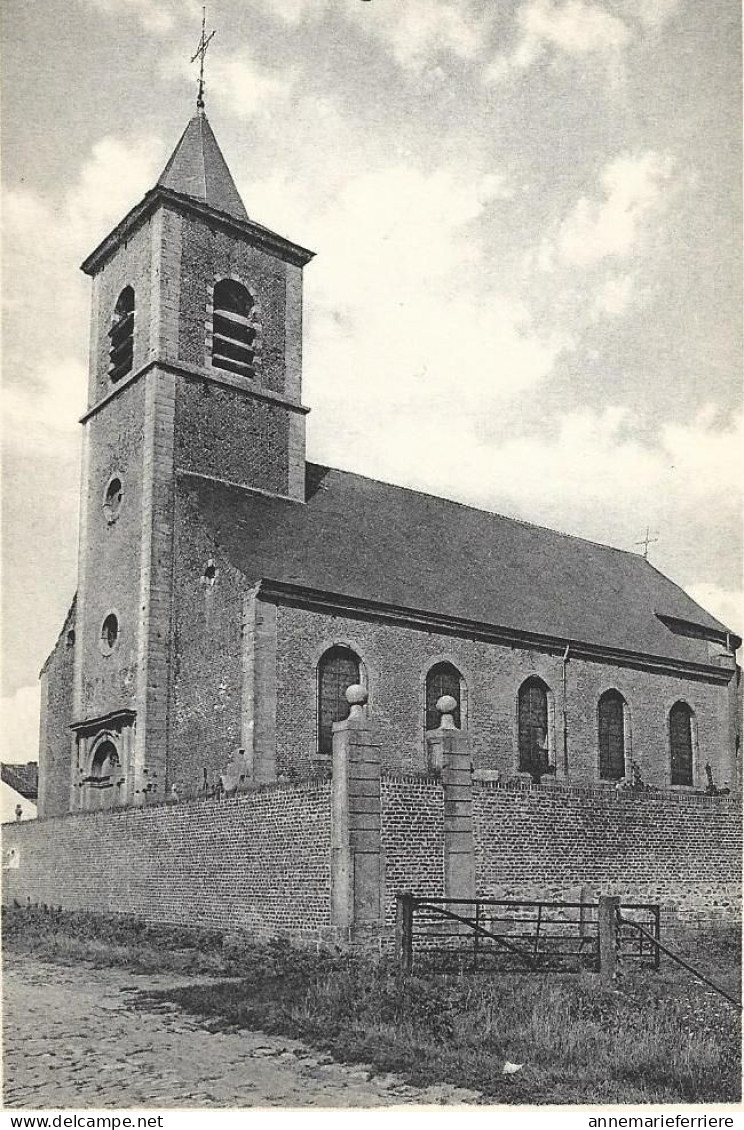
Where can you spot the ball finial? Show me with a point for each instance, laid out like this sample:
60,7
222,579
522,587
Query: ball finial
356,695
447,705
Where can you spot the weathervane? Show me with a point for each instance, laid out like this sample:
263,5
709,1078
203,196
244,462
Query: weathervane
199,54
646,542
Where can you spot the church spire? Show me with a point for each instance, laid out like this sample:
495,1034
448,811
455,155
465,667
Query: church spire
198,169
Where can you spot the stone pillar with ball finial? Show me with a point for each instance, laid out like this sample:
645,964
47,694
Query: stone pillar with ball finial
449,754
357,868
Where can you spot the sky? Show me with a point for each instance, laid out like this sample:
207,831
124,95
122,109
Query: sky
527,290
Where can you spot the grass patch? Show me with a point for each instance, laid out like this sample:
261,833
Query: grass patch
659,1037
71,936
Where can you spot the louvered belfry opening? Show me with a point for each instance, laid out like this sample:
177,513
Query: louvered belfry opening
233,333
612,736
121,355
337,671
680,736
442,679
533,727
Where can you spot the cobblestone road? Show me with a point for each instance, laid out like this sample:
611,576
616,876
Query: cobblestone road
83,1037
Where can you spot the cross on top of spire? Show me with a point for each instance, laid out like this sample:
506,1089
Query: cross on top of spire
199,54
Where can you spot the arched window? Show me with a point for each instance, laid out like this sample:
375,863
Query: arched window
337,671
121,356
533,727
612,736
680,741
443,678
232,331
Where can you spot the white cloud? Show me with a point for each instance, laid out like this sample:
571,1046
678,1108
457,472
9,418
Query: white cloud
653,14
614,296
294,12
43,245
154,15
43,410
570,29
414,32
248,90
633,188
704,455
20,725
573,26
419,30
393,312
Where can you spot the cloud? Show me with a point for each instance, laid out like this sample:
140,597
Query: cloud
633,187
248,90
42,413
20,730
295,12
154,15
572,29
704,454
614,296
653,14
43,244
400,313
413,32
613,224
419,30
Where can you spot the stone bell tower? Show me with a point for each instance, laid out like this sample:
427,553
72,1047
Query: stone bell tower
195,369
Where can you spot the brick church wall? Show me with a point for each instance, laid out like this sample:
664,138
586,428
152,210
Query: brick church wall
396,658
222,433
207,669
54,727
258,862
110,564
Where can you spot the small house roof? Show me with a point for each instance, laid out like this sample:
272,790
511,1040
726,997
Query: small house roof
23,778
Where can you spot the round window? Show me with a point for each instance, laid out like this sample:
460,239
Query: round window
112,499
109,633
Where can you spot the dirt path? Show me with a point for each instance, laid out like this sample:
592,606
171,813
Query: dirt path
79,1037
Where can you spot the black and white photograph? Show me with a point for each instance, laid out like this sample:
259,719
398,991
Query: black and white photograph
372,557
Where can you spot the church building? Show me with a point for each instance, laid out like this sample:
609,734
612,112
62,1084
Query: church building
230,591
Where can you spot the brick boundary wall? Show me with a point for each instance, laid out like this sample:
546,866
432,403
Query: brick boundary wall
258,862
681,850
412,834
261,862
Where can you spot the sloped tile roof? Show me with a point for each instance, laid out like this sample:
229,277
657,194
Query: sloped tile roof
198,169
371,541
23,778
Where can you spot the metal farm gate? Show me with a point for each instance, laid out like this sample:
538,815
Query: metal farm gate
524,935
